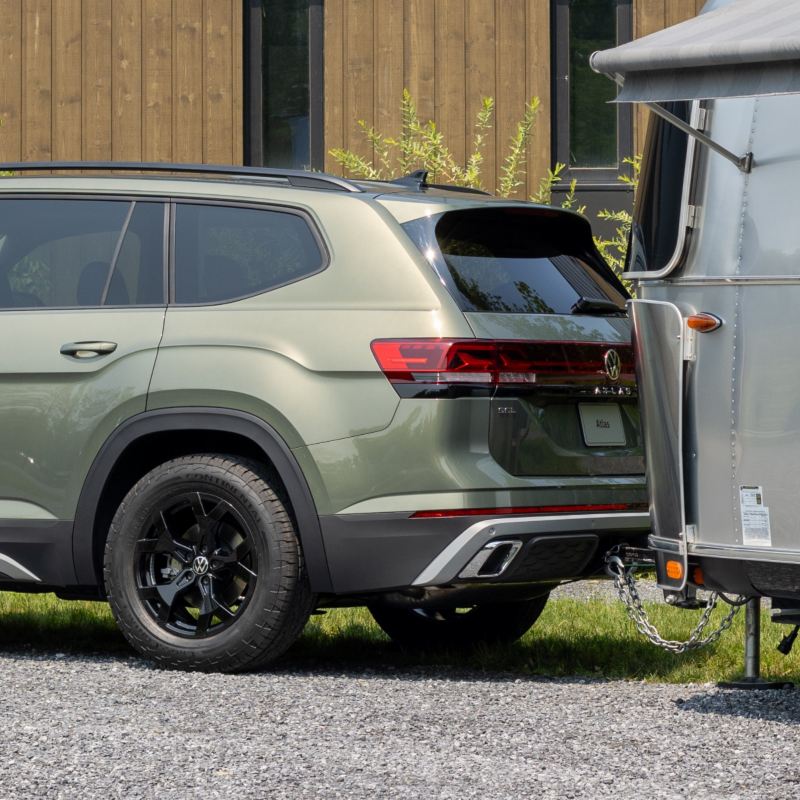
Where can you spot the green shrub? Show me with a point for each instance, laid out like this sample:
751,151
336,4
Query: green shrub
422,145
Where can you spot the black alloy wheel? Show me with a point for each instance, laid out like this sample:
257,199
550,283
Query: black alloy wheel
196,567
203,566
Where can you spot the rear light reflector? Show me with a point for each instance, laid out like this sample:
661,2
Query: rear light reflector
674,570
511,510
503,363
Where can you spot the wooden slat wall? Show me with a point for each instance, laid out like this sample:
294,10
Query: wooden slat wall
156,80
449,54
650,16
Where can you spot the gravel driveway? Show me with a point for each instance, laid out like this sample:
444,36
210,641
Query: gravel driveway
101,727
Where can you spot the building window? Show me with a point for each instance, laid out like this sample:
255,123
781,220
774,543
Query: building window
283,74
592,136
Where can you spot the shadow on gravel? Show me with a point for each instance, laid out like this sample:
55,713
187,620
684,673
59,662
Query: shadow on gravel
774,705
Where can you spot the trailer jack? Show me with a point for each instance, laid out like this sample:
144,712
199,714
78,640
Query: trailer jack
752,652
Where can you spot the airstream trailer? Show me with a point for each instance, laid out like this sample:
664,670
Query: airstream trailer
715,257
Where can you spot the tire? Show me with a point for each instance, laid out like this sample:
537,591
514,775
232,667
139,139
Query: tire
458,629
203,567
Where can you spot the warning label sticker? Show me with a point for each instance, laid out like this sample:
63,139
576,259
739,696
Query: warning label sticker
755,517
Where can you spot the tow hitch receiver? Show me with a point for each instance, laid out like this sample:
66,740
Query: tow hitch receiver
686,598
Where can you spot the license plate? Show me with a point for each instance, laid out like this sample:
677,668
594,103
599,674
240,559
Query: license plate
602,424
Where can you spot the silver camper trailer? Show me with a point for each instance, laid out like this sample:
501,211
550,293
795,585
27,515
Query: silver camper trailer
715,257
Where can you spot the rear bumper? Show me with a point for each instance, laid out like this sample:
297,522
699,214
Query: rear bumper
381,552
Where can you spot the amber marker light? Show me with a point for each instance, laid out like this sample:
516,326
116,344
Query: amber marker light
703,322
699,578
674,570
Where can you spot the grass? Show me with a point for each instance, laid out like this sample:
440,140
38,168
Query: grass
584,638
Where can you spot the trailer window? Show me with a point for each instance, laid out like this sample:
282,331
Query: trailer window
656,233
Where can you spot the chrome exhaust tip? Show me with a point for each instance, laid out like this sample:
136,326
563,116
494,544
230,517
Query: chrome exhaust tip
492,560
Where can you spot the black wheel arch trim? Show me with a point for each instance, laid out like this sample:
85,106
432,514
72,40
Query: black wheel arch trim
218,420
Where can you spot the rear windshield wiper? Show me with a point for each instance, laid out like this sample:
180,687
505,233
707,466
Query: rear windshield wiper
594,305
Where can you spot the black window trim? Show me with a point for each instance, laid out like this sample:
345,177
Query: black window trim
607,177
687,193
132,199
174,202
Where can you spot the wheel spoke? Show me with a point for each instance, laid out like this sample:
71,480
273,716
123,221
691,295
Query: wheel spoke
203,621
165,542
198,509
219,604
247,571
207,523
168,592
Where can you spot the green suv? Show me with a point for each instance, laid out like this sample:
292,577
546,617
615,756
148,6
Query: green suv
232,396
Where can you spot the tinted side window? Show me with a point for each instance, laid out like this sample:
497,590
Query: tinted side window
72,253
659,198
223,253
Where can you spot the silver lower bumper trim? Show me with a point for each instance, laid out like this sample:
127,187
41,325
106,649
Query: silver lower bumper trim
447,565
15,570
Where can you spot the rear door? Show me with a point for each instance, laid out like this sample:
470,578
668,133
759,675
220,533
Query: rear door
81,316
531,279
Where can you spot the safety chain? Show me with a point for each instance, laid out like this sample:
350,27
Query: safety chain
626,589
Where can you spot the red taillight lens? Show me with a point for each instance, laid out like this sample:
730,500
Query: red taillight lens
436,360
476,361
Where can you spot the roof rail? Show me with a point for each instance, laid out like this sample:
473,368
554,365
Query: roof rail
294,177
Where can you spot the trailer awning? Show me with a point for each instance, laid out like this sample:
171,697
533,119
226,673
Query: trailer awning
736,49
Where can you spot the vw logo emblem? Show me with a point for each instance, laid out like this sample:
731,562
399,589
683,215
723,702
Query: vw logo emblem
612,364
200,565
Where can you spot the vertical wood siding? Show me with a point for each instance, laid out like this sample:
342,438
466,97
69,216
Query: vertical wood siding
448,54
157,80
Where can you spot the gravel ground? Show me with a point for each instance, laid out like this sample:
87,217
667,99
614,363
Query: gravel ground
101,727
604,590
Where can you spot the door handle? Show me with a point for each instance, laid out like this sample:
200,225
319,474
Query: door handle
88,349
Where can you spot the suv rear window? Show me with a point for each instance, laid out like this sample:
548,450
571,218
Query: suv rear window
515,260
224,253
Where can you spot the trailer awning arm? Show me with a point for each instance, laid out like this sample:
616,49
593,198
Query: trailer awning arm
743,163
735,48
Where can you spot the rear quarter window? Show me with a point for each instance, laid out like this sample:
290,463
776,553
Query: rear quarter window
514,260
223,253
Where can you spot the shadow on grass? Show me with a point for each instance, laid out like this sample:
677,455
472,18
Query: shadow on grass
22,631
539,655
591,640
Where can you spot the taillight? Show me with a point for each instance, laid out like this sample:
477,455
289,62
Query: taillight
436,360
481,363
